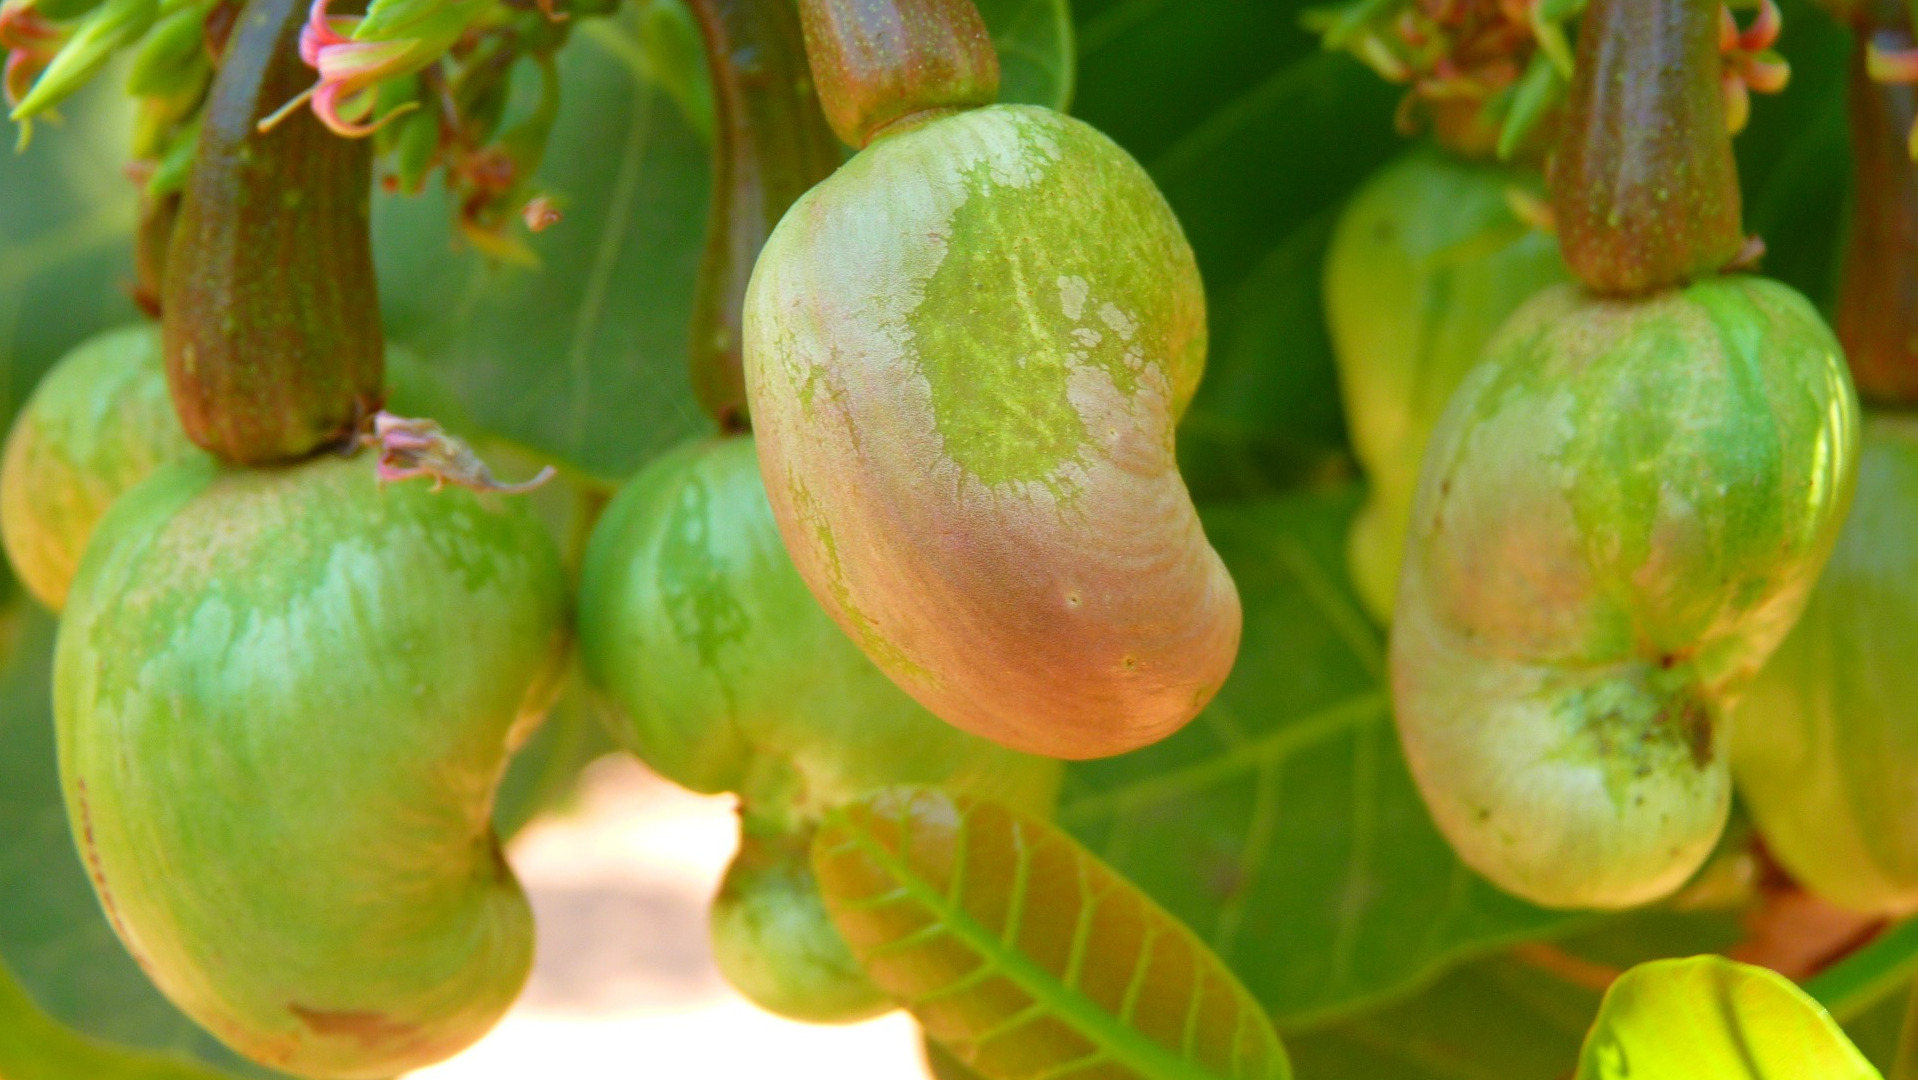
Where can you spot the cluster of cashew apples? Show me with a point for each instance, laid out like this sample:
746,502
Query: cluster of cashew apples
1603,490
940,537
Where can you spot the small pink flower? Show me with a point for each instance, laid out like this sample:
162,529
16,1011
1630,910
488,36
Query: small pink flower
350,71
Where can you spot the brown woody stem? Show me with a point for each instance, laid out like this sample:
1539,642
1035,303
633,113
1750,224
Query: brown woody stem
1878,304
1644,185
271,316
879,64
771,144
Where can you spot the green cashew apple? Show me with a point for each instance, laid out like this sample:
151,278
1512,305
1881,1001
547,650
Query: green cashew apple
1825,748
725,674
1426,264
1621,514
284,698
966,352
98,423
774,941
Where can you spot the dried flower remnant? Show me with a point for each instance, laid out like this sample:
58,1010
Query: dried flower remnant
412,448
540,214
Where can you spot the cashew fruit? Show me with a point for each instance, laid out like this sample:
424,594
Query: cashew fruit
98,423
1621,513
284,698
1825,745
775,943
1426,264
966,352
724,674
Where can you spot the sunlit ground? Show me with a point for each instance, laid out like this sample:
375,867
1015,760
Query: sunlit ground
624,986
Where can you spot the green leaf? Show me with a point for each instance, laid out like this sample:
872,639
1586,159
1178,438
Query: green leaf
584,358
1025,955
1708,1018
1518,1015
34,1046
1037,58
1282,824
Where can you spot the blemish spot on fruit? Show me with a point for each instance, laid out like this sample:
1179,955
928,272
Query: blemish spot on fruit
370,1029
1073,599
1130,663
1074,291
1122,324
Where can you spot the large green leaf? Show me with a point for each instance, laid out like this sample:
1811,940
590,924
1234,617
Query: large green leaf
1282,825
1707,1018
584,357
1519,1015
1024,955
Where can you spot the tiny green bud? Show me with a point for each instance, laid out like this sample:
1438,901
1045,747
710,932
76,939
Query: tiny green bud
109,28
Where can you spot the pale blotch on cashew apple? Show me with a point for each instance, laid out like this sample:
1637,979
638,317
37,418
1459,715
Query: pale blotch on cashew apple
966,353
98,423
723,672
1426,264
1621,514
1825,747
284,698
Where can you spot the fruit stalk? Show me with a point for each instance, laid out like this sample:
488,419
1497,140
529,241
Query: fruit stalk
884,66
770,144
1644,185
1878,305
272,332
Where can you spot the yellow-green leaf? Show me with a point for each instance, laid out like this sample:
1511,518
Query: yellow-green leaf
1708,1018
1024,955
34,1046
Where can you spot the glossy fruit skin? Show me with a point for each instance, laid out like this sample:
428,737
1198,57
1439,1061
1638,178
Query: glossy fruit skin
966,352
98,423
284,698
775,943
1425,266
1621,514
1825,746
723,672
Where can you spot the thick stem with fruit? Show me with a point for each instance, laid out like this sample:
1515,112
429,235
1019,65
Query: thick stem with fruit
272,332
1644,185
887,65
770,144
1878,305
